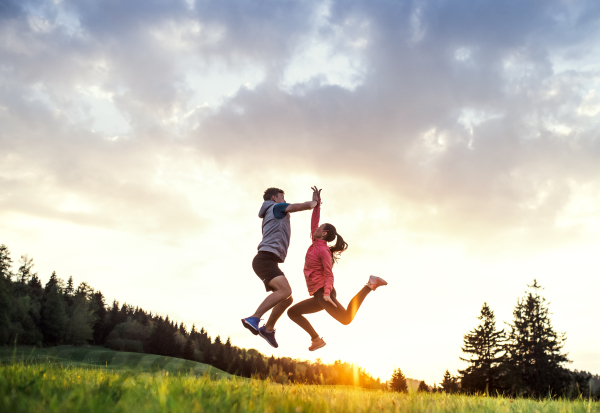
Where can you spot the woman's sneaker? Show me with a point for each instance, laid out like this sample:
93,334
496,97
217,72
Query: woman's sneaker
317,344
375,282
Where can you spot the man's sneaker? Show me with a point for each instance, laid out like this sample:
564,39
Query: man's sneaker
251,323
270,337
317,344
375,282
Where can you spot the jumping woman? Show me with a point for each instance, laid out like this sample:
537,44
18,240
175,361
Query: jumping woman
319,279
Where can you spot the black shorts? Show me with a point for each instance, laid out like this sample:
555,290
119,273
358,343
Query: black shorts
266,266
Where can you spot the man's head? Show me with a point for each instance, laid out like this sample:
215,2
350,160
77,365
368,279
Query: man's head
275,195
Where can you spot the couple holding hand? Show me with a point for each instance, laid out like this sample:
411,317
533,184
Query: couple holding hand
320,257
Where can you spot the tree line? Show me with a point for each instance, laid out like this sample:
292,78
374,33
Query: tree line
524,361
60,313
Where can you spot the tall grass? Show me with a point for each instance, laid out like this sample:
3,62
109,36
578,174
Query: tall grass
47,387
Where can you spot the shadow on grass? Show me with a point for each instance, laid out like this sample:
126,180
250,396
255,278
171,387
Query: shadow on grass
103,358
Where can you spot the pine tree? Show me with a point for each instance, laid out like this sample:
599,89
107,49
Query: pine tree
5,263
36,292
99,308
423,387
218,356
228,355
188,349
5,294
54,318
113,316
534,355
449,383
484,344
398,382
53,281
69,291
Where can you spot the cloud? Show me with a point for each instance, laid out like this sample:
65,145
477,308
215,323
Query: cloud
429,64
480,118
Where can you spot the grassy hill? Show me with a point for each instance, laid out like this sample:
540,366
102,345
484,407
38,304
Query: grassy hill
103,358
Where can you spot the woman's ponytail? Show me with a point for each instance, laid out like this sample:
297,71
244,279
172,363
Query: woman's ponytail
340,245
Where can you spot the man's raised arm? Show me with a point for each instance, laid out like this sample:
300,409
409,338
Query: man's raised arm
304,206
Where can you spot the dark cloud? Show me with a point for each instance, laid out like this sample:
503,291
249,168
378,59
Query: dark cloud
10,9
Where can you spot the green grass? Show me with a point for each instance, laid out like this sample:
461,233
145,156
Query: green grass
76,381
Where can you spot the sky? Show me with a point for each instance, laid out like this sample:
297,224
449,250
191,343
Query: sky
457,145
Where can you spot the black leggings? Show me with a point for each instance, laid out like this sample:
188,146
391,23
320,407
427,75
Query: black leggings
316,303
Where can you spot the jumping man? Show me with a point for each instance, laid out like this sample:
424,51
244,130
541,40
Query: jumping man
272,250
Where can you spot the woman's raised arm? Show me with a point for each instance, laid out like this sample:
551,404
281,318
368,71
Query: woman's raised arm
316,215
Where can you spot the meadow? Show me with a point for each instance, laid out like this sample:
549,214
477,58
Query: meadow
70,379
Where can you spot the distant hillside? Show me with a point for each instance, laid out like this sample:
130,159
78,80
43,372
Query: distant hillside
101,357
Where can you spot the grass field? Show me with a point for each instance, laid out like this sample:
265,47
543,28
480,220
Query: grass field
71,380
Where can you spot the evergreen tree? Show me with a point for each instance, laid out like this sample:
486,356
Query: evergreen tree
484,345
99,307
423,387
35,288
188,349
5,263
162,340
36,292
124,313
69,291
228,354
449,383
53,281
534,355
5,294
218,356
113,316
398,382
54,317
182,329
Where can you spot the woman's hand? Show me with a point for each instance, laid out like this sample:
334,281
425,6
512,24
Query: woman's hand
329,300
316,194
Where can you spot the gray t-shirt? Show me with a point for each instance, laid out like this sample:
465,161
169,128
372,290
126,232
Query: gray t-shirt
276,229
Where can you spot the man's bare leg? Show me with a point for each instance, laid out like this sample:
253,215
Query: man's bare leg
277,311
283,291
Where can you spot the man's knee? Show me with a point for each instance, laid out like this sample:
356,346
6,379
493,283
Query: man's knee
288,301
281,286
286,292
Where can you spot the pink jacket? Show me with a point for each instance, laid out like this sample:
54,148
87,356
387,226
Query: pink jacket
318,262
